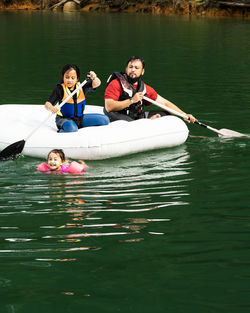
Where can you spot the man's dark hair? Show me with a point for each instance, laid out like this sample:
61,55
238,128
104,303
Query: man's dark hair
133,58
70,67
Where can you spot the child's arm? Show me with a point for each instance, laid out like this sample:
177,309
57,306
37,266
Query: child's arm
76,167
43,167
55,96
83,163
96,82
50,107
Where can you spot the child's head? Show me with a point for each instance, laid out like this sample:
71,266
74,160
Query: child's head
70,75
56,158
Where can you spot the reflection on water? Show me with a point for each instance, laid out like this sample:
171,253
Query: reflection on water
161,216
54,219
70,213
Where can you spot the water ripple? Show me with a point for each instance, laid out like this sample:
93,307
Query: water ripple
127,200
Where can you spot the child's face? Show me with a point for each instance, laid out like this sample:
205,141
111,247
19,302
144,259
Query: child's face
54,161
70,78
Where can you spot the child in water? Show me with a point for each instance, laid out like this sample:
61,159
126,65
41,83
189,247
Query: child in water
71,116
57,164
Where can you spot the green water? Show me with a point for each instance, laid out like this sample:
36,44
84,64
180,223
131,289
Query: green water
162,231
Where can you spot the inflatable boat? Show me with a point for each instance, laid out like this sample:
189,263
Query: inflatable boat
18,121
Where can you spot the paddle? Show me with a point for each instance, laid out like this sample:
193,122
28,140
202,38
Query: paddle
14,150
222,132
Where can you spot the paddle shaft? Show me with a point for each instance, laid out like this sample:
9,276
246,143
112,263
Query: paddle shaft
209,127
48,117
164,107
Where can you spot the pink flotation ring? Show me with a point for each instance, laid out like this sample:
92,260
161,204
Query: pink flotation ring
72,168
43,167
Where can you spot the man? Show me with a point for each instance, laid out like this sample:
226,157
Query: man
124,95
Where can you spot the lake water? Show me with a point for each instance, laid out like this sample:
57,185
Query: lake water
162,231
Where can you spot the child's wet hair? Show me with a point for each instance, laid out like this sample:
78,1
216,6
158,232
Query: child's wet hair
59,152
70,67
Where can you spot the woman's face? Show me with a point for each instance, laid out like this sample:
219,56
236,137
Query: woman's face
70,78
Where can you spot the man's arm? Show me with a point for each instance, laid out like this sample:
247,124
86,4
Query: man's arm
170,105
113,105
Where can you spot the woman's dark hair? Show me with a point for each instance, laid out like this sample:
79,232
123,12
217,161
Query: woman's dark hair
70,67
59,152
133,58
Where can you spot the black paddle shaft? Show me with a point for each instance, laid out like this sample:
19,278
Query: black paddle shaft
201,124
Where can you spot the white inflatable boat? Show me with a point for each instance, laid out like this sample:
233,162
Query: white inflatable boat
17,122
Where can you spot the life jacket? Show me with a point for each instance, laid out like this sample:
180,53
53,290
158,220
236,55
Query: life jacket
135,110
75,106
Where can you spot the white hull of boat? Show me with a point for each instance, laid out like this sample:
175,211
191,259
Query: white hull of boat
17,122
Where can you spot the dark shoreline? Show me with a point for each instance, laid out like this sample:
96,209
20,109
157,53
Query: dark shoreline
182,7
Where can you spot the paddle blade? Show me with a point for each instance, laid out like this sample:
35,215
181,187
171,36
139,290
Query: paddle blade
230,133
12,151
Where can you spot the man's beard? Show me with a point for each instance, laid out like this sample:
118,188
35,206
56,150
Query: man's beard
133,80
